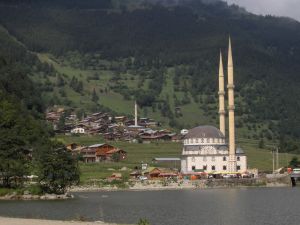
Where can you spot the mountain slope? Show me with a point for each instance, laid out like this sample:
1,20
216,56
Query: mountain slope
166,56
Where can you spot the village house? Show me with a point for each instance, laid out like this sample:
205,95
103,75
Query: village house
150,135
158,173
102,152
78,130
120,120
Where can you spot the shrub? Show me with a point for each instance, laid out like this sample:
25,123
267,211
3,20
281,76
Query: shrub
143,222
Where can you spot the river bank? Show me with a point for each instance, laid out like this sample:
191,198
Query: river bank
19,221
159,185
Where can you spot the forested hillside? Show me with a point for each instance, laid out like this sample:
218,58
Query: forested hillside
105,54
25,144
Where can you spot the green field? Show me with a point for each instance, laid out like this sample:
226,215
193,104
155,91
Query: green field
138,153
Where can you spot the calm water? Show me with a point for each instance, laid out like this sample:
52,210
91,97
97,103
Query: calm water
253,206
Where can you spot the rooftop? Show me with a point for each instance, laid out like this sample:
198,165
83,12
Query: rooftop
204,132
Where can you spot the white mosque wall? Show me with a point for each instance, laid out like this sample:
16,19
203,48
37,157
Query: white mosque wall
212,163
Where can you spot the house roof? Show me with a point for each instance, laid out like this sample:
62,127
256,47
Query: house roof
150,169
166,159
96,145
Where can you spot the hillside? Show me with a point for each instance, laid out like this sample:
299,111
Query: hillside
165,54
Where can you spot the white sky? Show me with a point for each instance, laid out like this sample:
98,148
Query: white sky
289,8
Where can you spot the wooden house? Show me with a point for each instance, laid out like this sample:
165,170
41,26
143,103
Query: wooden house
102,152
152,172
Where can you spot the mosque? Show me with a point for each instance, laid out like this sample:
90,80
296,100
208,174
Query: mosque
204,147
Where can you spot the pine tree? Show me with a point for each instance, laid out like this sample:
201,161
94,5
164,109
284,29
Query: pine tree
95,97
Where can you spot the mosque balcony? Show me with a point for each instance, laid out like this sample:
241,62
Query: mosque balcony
231,107
230,86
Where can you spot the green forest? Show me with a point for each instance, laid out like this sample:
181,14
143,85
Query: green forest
102,55
25,139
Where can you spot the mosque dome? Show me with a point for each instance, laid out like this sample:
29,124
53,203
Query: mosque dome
204,132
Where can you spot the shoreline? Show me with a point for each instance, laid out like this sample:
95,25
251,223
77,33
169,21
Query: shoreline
156,185
175,187
25,221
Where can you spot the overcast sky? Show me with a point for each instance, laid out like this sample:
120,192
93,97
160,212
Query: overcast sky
289,8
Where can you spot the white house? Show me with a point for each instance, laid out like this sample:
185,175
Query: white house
78,130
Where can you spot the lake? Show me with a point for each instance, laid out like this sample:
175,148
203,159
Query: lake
246,206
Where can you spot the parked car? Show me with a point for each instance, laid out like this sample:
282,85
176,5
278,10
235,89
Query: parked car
296,170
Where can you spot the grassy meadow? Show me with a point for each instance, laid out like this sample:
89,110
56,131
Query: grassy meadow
144,153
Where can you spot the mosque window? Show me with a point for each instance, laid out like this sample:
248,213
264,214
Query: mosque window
238,158
204,167
213,167
238,167
193,167
224,167
224,158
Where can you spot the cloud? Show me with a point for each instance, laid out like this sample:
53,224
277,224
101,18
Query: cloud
289,8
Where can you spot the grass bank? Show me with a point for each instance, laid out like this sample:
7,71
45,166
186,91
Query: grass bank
144,153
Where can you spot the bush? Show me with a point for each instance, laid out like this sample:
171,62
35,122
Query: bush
143,222
35,190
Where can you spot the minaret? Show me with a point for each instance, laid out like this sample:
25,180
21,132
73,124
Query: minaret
230,86
135,114
221,96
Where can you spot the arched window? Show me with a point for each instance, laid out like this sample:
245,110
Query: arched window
238,158
224,158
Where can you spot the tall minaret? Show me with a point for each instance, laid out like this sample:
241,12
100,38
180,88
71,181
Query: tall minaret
221,96
135,114
230,86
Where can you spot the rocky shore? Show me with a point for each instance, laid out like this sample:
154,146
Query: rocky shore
187,184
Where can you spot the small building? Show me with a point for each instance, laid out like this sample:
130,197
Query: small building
88,155
102,152
152,172
109,155
78,130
